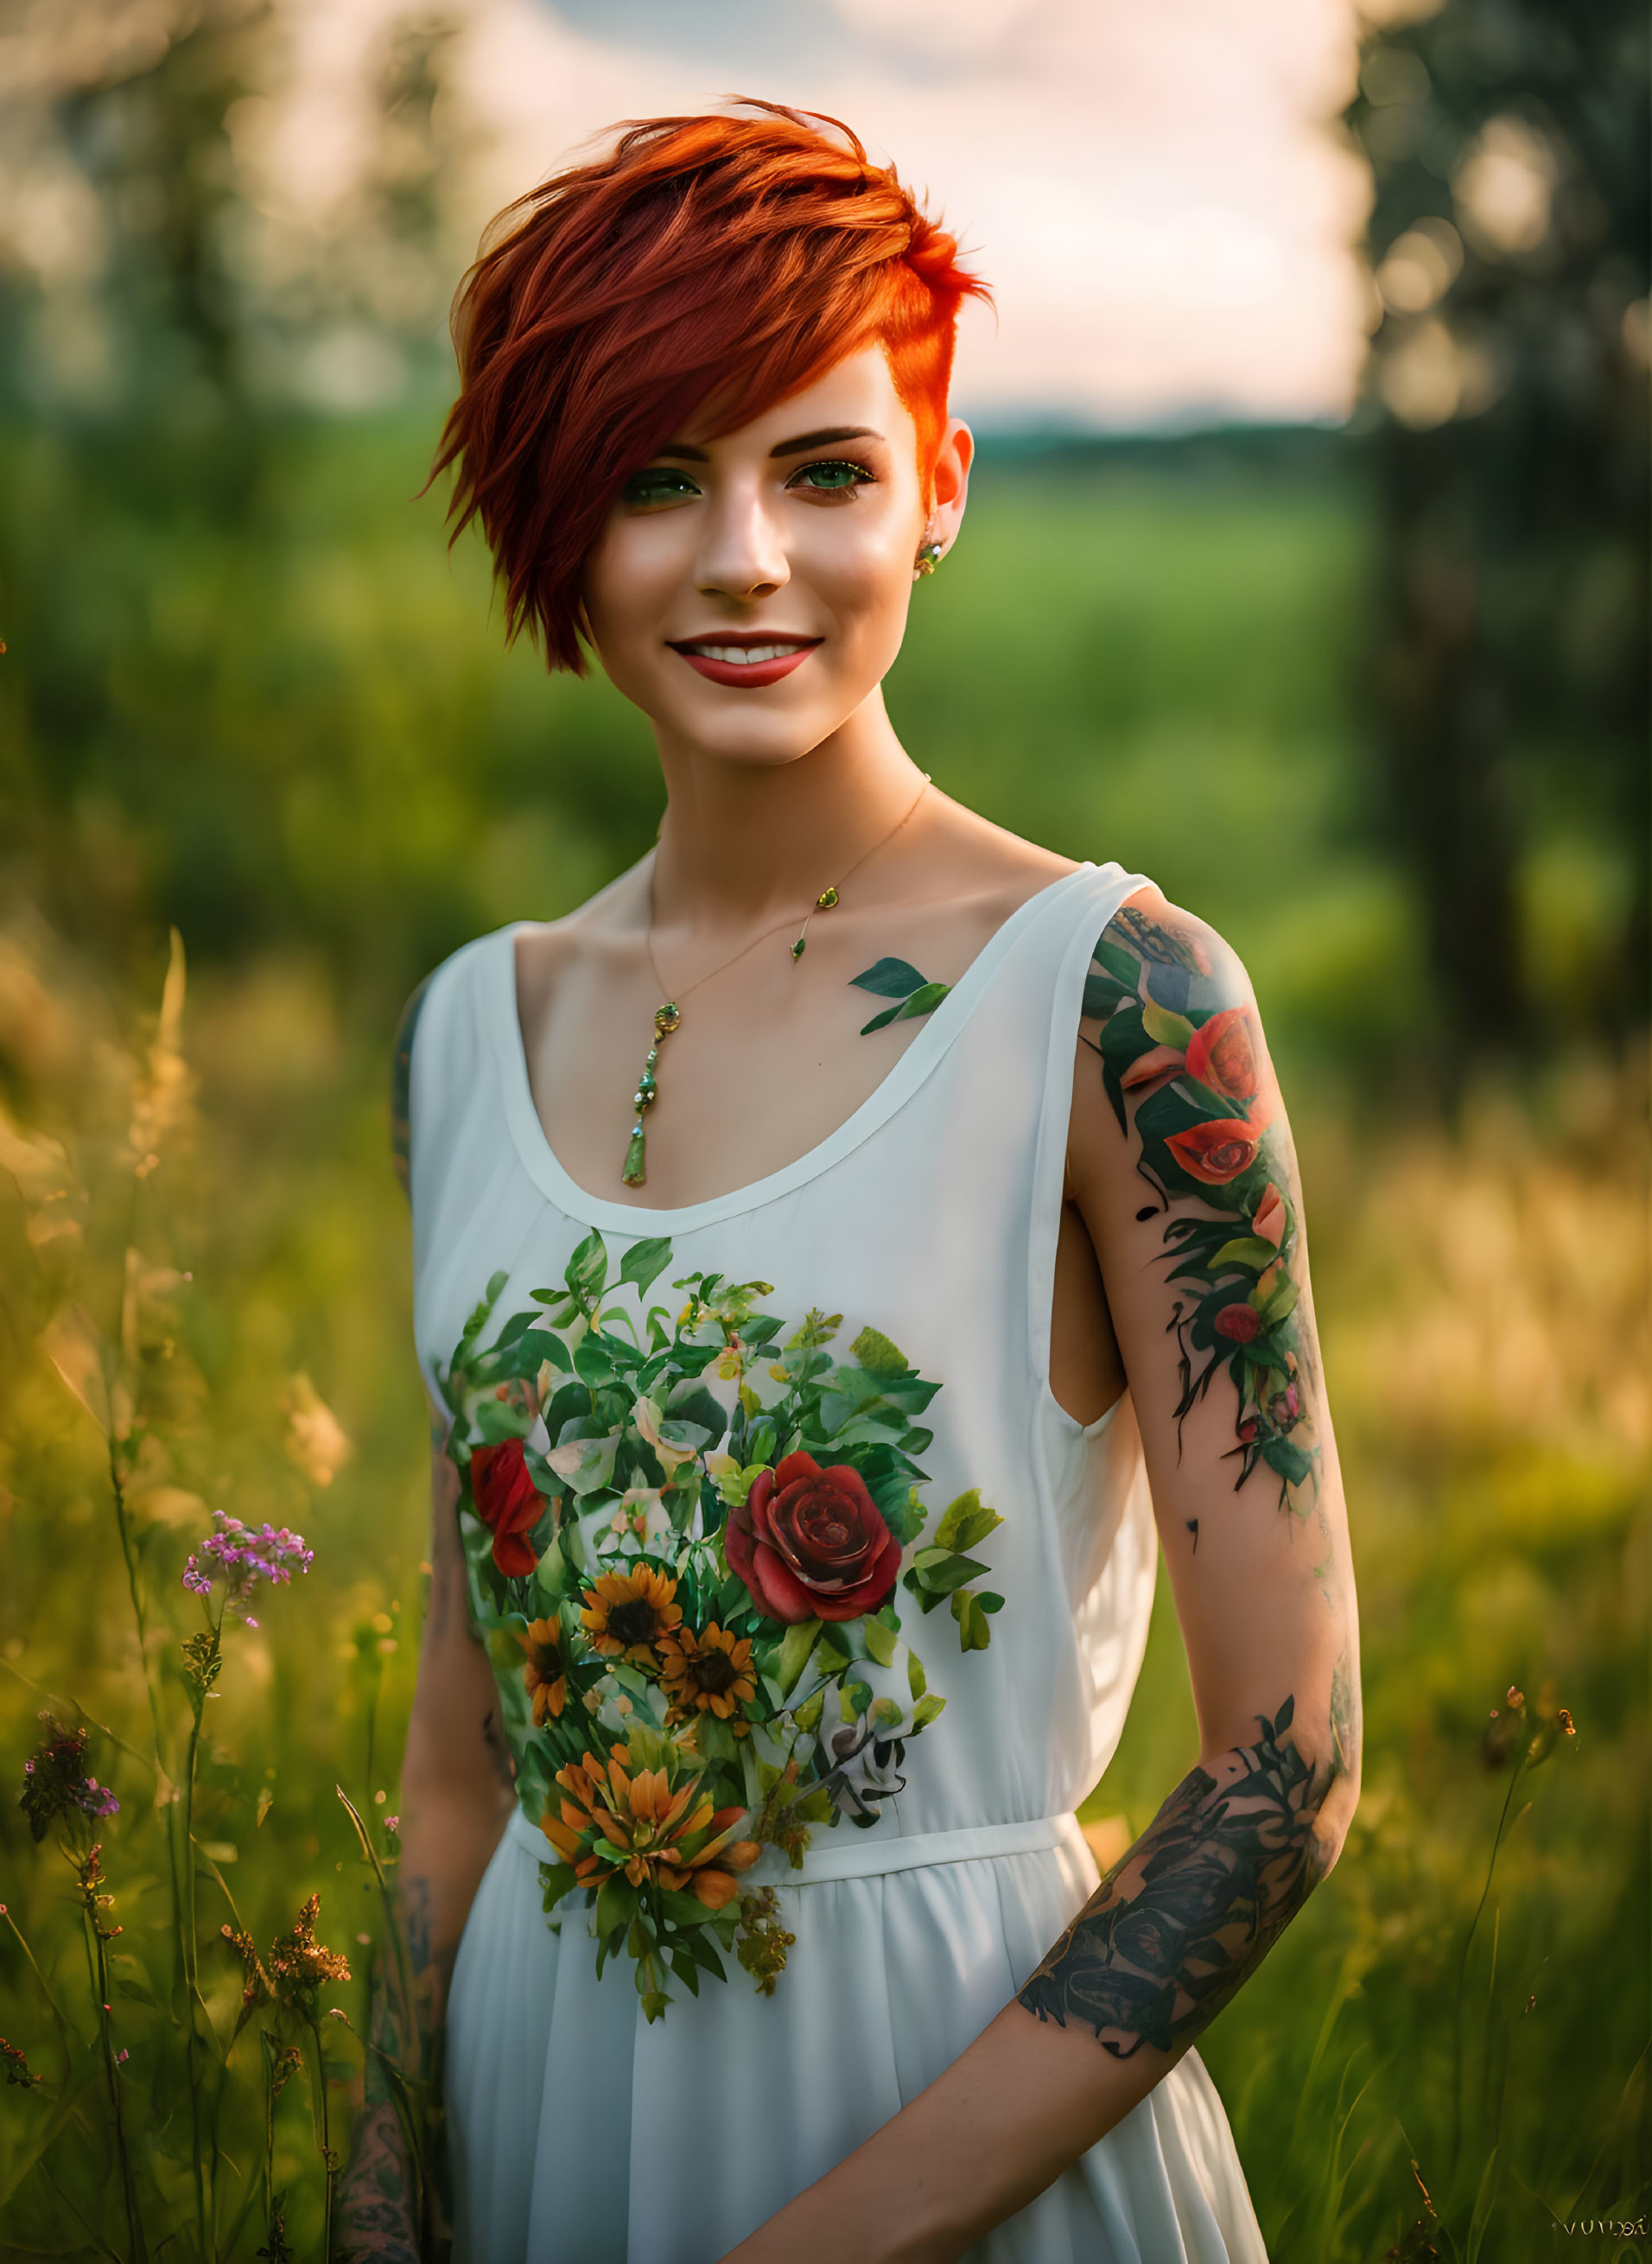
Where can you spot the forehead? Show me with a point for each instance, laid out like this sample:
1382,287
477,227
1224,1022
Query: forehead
857,394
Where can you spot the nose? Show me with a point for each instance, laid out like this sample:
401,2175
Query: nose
741,556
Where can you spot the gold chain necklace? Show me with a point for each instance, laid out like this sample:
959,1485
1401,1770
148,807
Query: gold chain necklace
668,1017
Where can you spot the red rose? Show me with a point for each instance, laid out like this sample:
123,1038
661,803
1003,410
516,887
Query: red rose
811,1544
1220,1054
508,1502
1238,1322
1216,1153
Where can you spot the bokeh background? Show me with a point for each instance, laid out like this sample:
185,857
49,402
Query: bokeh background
1306,570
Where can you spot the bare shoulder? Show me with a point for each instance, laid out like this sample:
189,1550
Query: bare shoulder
1168,1009
606,925
985,872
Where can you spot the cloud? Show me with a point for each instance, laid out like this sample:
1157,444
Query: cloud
1159,195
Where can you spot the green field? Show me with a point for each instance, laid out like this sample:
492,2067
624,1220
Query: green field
284,724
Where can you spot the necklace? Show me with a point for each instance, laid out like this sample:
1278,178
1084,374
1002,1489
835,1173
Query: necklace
667,1016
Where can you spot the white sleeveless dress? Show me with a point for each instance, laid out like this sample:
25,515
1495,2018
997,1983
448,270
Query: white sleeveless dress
579,2133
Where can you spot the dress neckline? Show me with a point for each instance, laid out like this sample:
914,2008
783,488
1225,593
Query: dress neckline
543,1166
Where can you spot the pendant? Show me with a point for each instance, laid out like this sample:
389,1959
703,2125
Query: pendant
635,1173
823,902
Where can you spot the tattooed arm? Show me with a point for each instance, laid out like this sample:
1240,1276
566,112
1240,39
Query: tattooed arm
1186,1182
1182,1182
455,1795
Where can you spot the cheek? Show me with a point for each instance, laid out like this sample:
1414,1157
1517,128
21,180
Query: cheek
628,582
865,576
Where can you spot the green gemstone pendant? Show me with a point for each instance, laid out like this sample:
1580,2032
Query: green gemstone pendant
635,1173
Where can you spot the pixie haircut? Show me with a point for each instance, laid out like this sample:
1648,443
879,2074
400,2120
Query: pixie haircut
707,268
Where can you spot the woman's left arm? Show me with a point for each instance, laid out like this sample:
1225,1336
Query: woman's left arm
1181,1166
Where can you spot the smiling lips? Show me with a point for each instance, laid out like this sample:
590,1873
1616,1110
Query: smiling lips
746,661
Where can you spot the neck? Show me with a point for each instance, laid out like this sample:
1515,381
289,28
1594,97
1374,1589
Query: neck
745,843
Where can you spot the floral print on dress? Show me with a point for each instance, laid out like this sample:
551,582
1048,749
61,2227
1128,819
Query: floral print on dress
689,1543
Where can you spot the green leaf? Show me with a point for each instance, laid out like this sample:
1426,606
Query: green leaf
856,1697
645,1261
1102,995
888,978
915,1674
880,1642
922,1001
1279,1300
1166,1028
528,1352
616,1906
1116,959
557,1879
879,1021
593,1362
926,1709
690,1402
967,1523
587,1270
794,1651
1244,1250
940,1579
877,1355
1294,1463
974,1633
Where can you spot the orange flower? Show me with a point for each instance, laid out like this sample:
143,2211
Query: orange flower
629,1612
547,1684
710,1672
669,1835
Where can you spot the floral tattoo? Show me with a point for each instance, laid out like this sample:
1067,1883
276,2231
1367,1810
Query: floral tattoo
1181,1052
1191,1912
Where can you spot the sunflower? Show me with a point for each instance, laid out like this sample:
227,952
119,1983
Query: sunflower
667,1835
547,1684
710,1672
629,1612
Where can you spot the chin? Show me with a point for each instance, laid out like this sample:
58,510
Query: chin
754,727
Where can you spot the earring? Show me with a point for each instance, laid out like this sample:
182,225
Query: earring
928,556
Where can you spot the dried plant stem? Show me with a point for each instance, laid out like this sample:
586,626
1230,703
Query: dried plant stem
97,1955
1462,1964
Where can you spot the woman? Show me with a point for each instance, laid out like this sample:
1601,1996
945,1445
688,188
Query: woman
703,426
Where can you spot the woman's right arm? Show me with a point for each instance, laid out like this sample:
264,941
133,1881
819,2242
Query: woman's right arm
455,1795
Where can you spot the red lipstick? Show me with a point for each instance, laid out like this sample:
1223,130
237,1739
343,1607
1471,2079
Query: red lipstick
709,657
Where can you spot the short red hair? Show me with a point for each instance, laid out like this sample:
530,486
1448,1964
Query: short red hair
715,264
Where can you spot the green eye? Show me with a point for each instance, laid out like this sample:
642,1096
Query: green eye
660,485
831,478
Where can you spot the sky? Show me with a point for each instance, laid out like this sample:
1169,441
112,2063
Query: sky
1159,193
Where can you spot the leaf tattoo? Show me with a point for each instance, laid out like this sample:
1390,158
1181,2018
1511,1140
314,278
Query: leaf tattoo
1190,1913
1180,1050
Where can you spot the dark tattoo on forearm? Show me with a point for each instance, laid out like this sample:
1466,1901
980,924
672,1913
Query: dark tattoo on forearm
1191,1912
1181,1056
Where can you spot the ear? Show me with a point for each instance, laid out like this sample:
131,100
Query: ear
951,484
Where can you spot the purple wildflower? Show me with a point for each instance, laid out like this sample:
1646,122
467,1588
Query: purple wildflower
56,1781
240,1556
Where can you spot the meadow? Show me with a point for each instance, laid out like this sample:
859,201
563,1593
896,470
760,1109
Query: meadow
285,727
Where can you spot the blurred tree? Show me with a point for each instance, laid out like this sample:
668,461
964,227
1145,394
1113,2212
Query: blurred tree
1507,423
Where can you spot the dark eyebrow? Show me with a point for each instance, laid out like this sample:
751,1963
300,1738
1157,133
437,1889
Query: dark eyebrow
682,448
829,439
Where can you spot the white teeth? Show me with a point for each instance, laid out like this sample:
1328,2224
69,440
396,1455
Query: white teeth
743,656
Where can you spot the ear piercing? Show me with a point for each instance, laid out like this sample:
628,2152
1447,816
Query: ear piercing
928,556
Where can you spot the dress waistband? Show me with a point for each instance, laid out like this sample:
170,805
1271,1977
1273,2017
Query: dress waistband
846,1853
